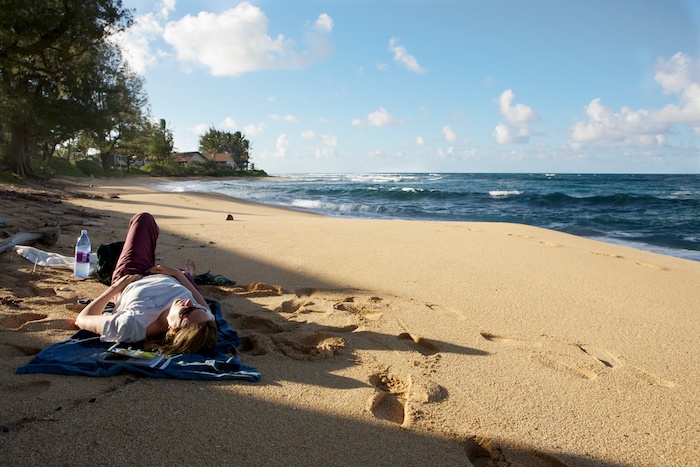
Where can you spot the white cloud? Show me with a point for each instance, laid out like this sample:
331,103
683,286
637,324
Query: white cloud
199,129
449,134
330,143
255,129
402,56
677,76
229,123
674,75
518,114
505,134
164,7
282,146
237,41
447,153
284,118
324,23
329,140
420,141
380,117
135,42
518,118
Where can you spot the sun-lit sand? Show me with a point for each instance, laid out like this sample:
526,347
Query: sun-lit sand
380,343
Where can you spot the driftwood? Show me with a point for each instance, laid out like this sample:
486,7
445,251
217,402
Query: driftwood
48,237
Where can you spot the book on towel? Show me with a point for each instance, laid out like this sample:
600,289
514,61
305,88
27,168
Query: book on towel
138,357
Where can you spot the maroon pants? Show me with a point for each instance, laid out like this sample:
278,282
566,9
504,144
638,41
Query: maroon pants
139,251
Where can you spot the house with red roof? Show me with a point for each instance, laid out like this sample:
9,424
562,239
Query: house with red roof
222,160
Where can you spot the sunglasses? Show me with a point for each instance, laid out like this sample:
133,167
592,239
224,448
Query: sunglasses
186,311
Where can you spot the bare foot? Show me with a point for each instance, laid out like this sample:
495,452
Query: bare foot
190,267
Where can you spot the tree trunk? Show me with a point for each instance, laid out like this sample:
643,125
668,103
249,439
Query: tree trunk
105,159
19,151
47,152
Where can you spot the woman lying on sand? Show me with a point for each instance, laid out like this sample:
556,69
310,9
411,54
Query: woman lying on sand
151,300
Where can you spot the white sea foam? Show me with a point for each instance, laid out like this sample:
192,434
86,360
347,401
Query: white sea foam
504,193
307,204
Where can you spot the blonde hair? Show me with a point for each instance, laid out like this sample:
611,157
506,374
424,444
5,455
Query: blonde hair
194,338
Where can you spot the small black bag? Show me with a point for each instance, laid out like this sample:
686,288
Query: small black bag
107,256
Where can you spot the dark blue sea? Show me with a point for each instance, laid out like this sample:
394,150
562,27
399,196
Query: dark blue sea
659,213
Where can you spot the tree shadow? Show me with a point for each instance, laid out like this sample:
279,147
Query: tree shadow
238,422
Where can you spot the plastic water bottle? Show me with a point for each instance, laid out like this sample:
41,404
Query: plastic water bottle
82,255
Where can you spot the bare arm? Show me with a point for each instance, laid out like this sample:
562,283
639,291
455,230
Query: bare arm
180,276
91,317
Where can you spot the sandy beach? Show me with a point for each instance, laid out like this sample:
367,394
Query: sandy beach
380,342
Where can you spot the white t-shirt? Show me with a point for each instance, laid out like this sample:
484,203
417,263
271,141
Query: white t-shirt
140,304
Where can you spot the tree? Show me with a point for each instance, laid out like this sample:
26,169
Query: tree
236,144
53,59
118,103
161,141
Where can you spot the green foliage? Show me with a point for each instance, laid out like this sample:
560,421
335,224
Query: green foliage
60,75
90,168
160,140
163,169
172,169
9,177
60,166
236,144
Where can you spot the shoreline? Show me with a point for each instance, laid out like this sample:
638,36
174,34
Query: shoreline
677,252
379,341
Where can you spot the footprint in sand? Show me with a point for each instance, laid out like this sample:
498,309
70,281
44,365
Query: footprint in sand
511,341
15,321
256,289
559,363
29,290
609,255
393,397
261,336
265,325
365,315
602,355
424,346
652,379
316,346
552,244
653,266
49,324
389,399
460,316
299,306
481,452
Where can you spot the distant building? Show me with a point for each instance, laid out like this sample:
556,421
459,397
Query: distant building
222,160
187,158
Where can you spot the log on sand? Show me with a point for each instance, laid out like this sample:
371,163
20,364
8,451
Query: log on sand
49,237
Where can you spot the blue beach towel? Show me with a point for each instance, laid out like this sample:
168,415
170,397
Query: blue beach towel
79,355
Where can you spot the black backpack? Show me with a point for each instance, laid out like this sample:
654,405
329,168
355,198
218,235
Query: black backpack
107,256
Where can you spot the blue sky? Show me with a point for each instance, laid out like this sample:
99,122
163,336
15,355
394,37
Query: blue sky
594,86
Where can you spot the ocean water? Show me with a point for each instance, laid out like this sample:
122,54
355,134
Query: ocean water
659,213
